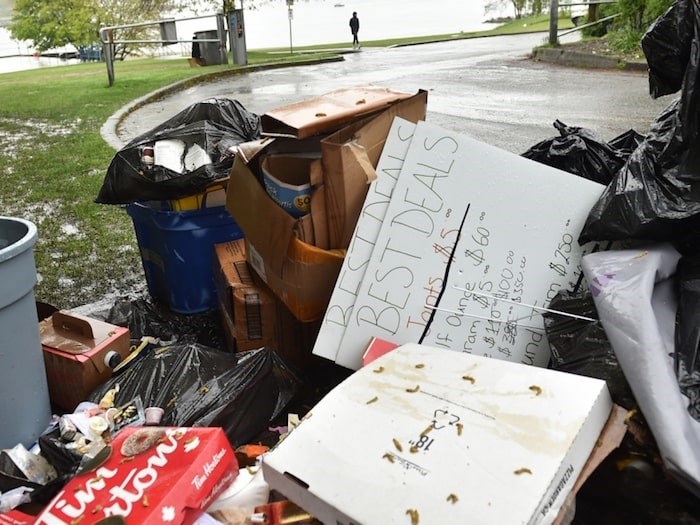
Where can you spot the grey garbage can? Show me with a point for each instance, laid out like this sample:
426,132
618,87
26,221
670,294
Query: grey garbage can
25,410
209,51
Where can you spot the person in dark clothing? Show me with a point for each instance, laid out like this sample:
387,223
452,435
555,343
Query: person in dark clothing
354,29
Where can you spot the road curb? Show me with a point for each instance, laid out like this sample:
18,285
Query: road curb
558,55
108,131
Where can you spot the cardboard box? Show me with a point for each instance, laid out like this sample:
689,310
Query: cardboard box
248,308
475,242
252,317
300,274
77,350
153,475
443,437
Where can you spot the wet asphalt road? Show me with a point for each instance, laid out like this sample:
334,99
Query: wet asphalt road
486,88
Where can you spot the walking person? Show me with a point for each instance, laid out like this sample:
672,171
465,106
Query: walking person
354,29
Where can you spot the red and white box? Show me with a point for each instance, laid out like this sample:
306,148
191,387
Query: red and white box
154,475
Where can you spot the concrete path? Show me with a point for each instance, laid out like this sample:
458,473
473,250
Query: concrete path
487,88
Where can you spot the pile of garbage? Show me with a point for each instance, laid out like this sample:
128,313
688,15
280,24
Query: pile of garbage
340,306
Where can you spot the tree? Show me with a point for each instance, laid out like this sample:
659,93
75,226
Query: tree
53,23
56,23
520,7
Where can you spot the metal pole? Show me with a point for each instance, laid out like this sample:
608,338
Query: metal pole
291,49
107,43
553,22
221,33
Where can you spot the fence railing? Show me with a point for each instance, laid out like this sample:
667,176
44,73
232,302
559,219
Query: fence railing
554,6
168,36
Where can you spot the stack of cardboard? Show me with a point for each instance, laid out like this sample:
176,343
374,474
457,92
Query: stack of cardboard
299,258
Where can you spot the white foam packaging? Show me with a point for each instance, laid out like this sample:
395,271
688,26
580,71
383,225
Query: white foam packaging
441,437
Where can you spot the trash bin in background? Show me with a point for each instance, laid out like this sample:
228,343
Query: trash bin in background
25,410
210,52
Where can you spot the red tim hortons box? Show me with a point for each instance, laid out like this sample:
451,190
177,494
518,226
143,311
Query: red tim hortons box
154,475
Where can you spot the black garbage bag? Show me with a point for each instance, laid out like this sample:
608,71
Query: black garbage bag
656,195
687,333
143,318
200,386
627,142
581,347
215,125
666,45
582,152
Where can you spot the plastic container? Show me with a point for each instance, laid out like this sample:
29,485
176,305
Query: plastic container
25,410
177,249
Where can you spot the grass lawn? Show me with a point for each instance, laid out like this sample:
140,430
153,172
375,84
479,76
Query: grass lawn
53,160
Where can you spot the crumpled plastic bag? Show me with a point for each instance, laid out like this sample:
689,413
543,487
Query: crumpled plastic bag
633,292
656,195
197,386
583,152
216,125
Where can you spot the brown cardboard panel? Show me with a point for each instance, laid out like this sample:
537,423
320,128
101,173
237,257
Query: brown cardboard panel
328,112
349,157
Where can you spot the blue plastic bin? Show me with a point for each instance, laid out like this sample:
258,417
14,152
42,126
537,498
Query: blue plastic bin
177,251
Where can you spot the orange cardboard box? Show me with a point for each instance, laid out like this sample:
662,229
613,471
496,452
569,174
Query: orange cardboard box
252,317
79,354
248,309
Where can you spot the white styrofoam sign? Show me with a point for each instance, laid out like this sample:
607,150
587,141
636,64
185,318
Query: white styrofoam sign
365,235
467,224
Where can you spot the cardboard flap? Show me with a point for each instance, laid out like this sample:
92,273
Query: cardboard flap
349,159
248,150
327,112
246,197
359,155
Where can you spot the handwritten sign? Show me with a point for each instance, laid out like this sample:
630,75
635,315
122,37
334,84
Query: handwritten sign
471,234
360,250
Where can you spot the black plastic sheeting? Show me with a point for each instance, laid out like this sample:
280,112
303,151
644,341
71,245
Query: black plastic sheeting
583,152
217,125
656,194
581,347
687,333
201,387
144,318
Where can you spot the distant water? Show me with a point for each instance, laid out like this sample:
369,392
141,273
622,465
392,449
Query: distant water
312,22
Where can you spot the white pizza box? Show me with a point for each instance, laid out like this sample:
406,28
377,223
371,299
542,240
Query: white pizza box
472,239
427,436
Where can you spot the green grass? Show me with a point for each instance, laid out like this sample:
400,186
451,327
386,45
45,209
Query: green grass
53,160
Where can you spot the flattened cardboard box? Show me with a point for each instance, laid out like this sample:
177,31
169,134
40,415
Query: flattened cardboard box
327,112
75,348
445,437
154,475
300,274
